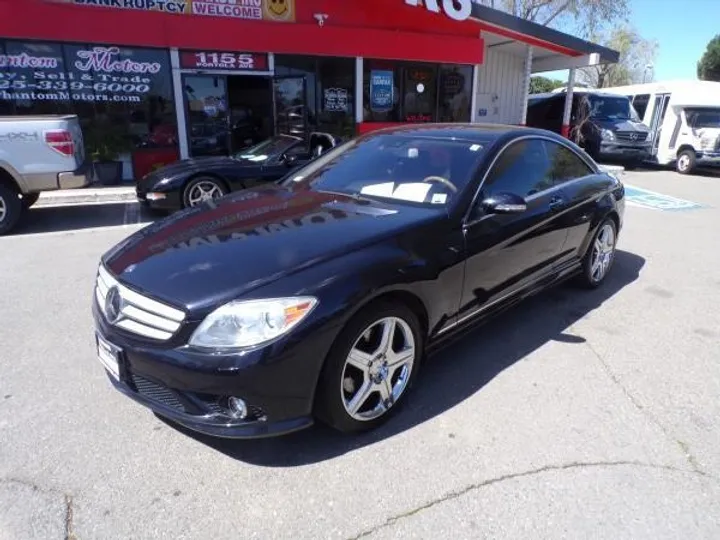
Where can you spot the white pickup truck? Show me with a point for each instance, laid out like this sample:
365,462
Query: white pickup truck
37,153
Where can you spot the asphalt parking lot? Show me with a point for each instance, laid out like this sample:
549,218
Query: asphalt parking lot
577,415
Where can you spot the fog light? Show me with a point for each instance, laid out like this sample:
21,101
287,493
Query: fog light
155,196
237,408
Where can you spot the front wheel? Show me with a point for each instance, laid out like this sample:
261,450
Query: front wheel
600,255
202,189
370,368
685,163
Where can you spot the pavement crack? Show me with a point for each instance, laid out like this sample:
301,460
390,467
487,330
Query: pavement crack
683,447
69,517
452,495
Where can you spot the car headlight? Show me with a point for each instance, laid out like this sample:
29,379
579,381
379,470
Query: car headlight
607,135
250,323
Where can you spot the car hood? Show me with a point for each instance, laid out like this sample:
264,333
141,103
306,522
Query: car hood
622,125
222,249
193,165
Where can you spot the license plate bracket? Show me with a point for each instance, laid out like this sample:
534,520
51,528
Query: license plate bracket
109,356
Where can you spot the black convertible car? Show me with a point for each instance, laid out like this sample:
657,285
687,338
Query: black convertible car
318,296
189,182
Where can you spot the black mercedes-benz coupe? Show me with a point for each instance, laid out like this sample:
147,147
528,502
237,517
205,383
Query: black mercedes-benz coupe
317,297
189,182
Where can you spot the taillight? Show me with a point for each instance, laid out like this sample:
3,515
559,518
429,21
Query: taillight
61,141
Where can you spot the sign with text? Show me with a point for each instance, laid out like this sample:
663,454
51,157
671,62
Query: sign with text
258,10
228,61
458,10
382,90
66,72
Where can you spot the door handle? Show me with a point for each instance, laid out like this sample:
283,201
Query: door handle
556,203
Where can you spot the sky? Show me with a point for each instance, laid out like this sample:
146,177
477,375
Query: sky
682,29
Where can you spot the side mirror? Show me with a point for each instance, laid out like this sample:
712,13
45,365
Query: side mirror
504,203
289,160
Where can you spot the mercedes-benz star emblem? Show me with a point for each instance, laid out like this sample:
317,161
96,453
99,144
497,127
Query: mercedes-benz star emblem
113,305
634,136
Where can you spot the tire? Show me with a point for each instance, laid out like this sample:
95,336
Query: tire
11,209
592,276
341,382
213,188
686,161
29,199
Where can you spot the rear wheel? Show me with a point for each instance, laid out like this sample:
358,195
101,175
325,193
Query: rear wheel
685,163
370,368
202,189
600,255
10,209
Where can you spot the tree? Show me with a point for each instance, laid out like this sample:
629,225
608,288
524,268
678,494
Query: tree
708,68
540,85
636,55
583,15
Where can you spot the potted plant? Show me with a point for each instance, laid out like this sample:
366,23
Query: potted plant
104,143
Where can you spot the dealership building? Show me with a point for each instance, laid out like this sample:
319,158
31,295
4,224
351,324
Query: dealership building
157,80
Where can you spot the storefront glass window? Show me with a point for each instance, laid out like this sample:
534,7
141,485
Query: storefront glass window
455,93
415,92
329,86
123,96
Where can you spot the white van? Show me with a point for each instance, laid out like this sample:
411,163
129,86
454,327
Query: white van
684,120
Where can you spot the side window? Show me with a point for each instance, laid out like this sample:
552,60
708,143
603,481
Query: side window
641,103
523,169
565,165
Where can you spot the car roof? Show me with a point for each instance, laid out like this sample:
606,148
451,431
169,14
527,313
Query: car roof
473,132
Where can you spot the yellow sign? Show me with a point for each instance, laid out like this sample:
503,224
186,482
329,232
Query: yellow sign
254,10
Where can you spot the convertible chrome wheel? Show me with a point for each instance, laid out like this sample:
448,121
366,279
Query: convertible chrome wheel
377,369
602,253
203,190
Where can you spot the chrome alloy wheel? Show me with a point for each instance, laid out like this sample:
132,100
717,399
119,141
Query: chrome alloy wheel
603,251
377,369
683,163
204,190
3,209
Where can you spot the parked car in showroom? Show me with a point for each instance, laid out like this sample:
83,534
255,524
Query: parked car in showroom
317,297
190,182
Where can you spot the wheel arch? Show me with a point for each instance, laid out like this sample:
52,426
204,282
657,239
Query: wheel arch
684,147
7,178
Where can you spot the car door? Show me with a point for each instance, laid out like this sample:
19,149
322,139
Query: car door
507,252
582,189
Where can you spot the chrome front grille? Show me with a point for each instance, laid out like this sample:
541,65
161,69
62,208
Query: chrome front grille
628,136
134,312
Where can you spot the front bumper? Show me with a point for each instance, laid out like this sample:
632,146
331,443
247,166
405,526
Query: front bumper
191,389
623,151
168,200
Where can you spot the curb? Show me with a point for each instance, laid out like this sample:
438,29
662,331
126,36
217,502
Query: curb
87,196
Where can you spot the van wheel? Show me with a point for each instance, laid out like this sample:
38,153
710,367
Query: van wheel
10,209
686,161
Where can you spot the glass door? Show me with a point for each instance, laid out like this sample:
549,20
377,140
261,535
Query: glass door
208,121
291,114
658,115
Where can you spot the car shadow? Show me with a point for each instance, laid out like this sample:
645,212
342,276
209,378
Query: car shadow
45,219
451,375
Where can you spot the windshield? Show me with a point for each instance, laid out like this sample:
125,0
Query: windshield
267,148
402,168
612,108
703,118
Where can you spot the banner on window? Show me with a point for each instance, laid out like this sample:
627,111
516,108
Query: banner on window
382,90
